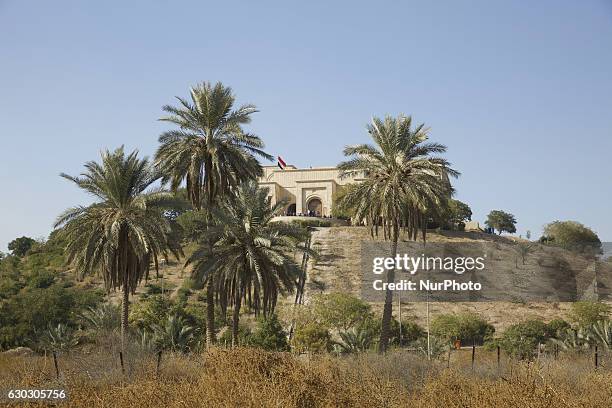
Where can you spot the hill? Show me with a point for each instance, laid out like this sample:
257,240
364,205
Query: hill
545,272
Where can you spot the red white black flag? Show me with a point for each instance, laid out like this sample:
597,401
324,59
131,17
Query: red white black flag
281,163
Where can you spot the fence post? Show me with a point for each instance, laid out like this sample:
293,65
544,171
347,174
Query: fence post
159,355
473,352
121,360
56,366
596,358
498,358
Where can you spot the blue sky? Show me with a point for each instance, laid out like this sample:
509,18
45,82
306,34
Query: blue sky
520,92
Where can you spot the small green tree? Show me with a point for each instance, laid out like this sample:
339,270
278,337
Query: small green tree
269,335
312,338
501,221
455,214
521,339
340,311
555,327
466,327
20,246
585,314
571,235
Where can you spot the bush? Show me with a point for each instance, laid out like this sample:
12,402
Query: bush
312,223
59,338
154,314
411,332
556,327
437,346
174,335
571,235
585,314
20,246
340,311
269,335
312,338
466,327
103,318
150,312
356,340
521,340
41,279
25,317
153,289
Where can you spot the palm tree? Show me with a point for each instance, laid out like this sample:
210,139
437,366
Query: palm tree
210,152
252,257
403,181
120,234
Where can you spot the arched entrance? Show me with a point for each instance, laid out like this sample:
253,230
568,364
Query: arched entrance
315,207
291,209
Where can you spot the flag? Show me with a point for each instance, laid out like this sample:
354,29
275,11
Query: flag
281,163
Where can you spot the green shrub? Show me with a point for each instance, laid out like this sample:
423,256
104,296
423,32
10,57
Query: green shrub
356,340
312,223
556,327
521,340
153,289
572,235
41,279
155,311
437,346
60,338
585,314
150,312
467,327
20,246
25,317
340,311
174,334
104,317
410,332
312,338
269,335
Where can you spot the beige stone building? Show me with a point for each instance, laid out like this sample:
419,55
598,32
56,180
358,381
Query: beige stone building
305,191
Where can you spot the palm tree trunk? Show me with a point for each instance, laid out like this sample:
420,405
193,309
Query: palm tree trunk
236,319
124,312
210,313
388,308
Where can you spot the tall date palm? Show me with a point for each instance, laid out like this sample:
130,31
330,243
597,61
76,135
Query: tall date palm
210,153
252,257
124,232
403,180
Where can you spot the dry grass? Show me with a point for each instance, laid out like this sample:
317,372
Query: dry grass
253,378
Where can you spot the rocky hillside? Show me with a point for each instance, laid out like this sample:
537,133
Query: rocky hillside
545,271
338,269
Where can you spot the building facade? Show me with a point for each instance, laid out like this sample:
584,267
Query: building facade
305,191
